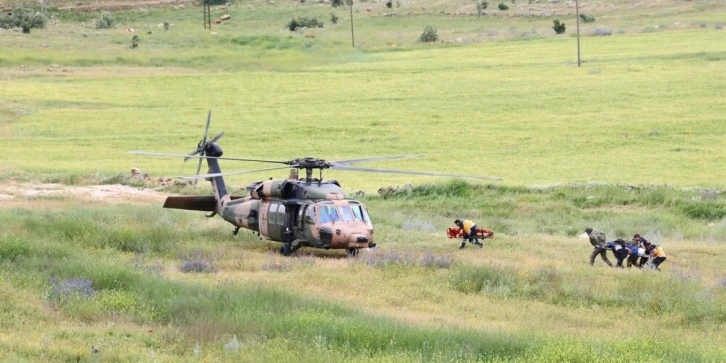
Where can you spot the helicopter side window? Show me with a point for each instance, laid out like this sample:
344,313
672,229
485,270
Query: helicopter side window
300,216
309,215
278,215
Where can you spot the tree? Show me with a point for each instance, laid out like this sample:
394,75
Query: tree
558,27
481,5
429,34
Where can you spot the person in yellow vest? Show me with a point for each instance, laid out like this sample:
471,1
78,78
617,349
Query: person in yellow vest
658,256
469,229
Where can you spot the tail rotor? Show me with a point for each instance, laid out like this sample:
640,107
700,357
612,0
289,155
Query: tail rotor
202,146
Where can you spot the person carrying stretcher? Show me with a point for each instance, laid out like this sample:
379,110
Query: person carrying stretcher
469,229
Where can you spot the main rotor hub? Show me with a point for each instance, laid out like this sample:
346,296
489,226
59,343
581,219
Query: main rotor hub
309,163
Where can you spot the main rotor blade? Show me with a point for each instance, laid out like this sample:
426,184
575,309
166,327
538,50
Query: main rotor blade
212,175
148,153
204,140
377,158
216,138
206,129
393,171
199,166
190,155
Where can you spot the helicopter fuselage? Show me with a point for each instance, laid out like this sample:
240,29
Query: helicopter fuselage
300,213
328,224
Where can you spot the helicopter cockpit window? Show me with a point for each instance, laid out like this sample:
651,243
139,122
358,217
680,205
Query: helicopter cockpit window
347,214
358,213
328,213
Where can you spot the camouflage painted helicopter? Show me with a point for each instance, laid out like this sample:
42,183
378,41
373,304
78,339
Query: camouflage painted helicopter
295,211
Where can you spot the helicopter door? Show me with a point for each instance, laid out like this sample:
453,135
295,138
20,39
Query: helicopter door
276,221
264,214
300,222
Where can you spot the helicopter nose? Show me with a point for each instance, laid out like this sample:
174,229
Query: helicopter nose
358,240
358,237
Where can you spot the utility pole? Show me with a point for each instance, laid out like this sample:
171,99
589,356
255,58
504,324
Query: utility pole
577,21
207,14
352,34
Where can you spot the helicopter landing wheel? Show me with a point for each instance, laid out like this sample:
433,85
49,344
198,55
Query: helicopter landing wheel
352,252
286,249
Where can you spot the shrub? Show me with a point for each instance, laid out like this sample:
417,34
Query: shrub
558,27
603,32
587,18
333,18
304,22
432,261
25,18
429,34
336,3
503,6
68,289
387,259
481,6
197,262
389,4
709,210
485,278
418,225
106,21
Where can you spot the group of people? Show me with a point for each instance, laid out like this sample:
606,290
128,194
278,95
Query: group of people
638,251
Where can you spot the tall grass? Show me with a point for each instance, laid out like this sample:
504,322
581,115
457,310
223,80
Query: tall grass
566,210
124,228
646,293
77,263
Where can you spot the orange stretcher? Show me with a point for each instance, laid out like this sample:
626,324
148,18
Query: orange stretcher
457,232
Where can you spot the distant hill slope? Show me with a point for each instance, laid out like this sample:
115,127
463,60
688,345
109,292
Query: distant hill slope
413,7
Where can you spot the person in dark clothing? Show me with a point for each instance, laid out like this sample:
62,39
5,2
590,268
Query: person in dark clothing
619,250
637,249
597,240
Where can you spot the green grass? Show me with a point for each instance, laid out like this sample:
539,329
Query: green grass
621,211
528,120
144,290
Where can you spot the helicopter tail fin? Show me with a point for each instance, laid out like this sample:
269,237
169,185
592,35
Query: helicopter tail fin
218,187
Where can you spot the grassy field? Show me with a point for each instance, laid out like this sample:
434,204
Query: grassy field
121,278
519,110
631,142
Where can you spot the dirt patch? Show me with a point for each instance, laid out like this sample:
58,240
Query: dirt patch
121,5
16,194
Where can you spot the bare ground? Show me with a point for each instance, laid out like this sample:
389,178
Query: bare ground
14,195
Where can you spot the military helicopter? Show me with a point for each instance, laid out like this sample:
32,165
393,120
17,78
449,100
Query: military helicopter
298,212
